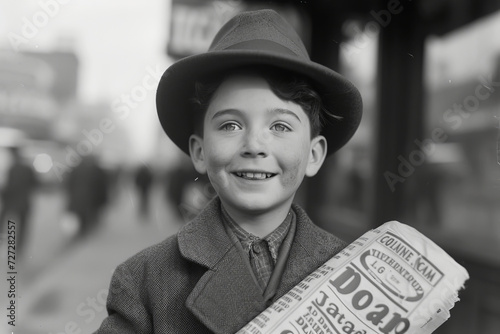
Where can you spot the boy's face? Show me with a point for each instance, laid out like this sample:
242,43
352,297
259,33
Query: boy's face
256,148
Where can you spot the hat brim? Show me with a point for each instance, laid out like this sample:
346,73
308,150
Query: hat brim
176,88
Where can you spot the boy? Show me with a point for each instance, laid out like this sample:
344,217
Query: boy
256,115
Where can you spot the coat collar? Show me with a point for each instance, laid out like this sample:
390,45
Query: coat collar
204,239
226,297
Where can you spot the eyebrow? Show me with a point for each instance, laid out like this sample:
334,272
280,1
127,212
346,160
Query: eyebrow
280,111
223,112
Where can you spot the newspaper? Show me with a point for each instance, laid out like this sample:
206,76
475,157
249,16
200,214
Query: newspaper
391,280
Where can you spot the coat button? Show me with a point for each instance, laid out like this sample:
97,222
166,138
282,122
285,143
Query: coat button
256,248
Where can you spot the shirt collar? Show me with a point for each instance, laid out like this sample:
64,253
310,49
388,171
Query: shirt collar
273,239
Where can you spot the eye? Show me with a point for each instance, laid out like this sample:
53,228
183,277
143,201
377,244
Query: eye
280,127
230,126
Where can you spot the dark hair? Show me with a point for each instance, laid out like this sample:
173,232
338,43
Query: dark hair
287,86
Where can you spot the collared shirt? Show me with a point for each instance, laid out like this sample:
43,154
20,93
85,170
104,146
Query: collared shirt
262,252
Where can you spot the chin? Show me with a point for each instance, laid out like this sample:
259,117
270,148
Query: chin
256,203
252,205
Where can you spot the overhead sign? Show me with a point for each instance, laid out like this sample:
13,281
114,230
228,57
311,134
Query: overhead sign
194,24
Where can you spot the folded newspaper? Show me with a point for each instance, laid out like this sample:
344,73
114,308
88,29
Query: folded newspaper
391,280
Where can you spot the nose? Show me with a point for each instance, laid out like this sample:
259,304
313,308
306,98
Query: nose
255,145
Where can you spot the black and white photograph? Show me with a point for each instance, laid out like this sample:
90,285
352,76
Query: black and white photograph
250,167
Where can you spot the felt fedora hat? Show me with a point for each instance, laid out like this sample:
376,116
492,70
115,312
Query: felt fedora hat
252,38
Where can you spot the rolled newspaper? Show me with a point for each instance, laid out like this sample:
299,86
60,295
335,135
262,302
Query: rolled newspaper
391,280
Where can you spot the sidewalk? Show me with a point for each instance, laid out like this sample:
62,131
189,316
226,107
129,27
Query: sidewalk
69,292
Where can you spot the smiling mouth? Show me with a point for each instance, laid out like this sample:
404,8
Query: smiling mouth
254,176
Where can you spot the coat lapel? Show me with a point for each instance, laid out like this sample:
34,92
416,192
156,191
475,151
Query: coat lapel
226,297
311,248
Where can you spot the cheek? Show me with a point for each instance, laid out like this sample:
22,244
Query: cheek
295,168
292,176
218,179
217,162
216,153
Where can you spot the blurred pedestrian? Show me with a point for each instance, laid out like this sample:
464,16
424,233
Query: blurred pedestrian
87,187
143,181
16,197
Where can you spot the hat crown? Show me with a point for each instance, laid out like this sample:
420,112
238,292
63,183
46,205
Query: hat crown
263,30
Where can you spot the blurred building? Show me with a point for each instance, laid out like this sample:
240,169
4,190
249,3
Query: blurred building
33,86
39,98
26,99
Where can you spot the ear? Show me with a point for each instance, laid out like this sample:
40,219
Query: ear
317,155
196,153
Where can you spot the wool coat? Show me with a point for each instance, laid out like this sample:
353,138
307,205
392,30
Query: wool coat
197,281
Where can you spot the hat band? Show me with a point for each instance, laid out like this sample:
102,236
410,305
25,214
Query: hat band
263,45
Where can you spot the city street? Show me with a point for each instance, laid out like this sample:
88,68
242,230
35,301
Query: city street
62,286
